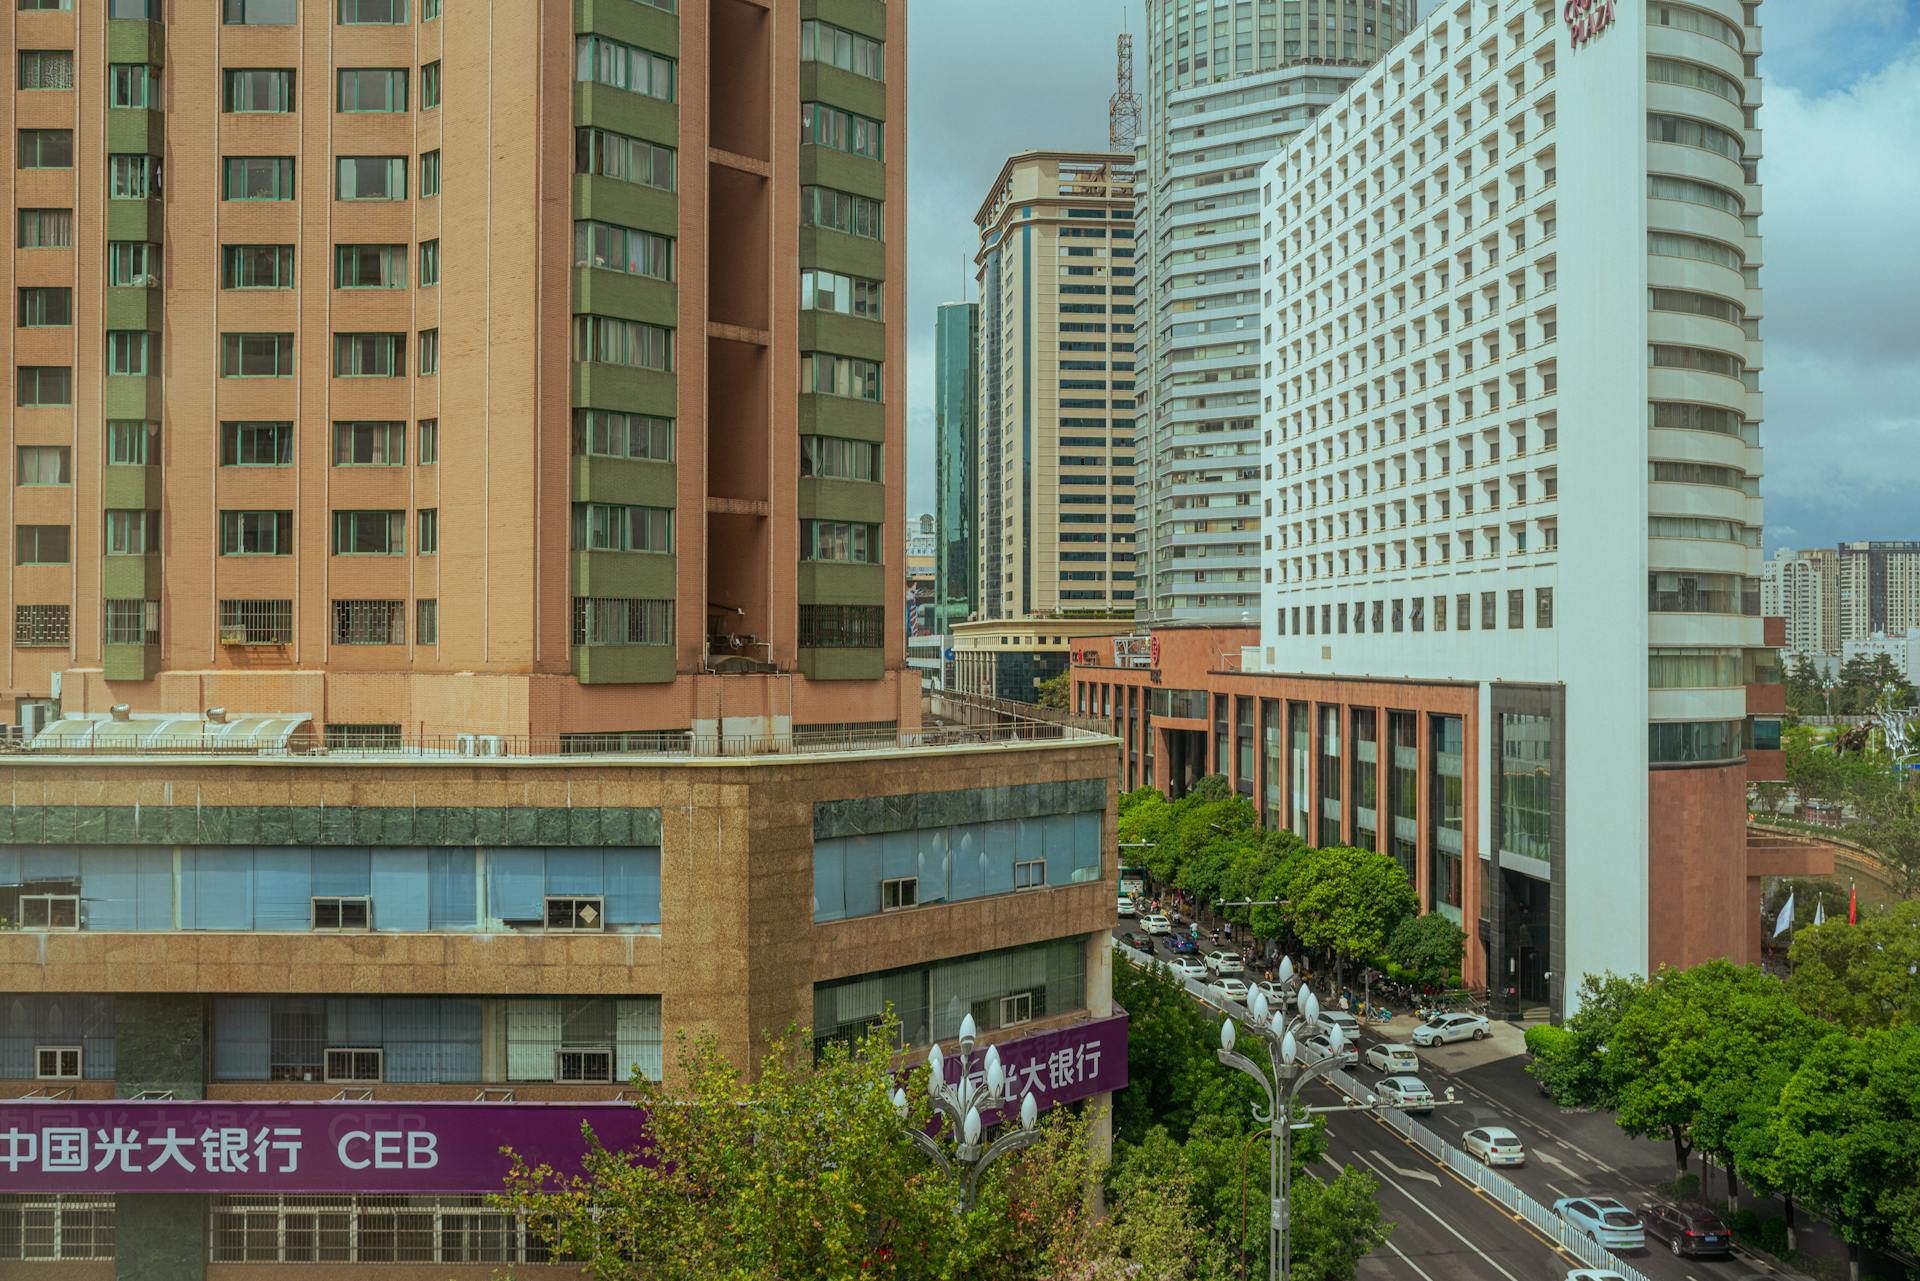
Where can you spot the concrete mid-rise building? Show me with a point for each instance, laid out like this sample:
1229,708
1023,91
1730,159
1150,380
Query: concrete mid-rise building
500,369
1803,587
956,443
1056,400
1228,84
1879,589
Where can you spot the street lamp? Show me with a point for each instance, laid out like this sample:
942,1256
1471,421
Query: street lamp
961,1104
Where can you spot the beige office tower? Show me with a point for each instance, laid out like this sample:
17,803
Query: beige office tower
492,368
1055,267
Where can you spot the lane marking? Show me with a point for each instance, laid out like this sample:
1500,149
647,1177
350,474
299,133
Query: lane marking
1423,1175
1416,1267
1557,1188
1423,1208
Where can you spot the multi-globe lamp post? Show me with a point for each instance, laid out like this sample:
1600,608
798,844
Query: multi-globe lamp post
962,1103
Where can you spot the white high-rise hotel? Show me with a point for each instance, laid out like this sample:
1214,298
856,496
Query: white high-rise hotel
1510,430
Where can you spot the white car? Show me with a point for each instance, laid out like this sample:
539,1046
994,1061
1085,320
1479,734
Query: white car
1277,993
1319,1047
1156,924
1224,962
1349,1026
1189,967
1408,1093
1444,1028
1594,1274
1231,988
1126,905
1392,1058
1495,1145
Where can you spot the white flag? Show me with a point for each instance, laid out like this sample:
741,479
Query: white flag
1784,921
1819,911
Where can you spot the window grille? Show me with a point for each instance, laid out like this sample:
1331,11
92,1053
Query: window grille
133,622
606,620
56,1227
369,622
256,622
35,625
365,1229
363,737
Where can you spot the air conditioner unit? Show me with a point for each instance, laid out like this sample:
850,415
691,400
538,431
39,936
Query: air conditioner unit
489,745
463,744
34,717
354,1064
575,1063
57,1062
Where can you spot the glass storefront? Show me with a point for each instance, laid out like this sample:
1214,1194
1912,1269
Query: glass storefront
1448,814
1330,827
1403,790
1365,769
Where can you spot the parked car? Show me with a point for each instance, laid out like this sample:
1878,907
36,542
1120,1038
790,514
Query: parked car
1231,988
1190,967
1225,962
1156,924
1139,942
1319,1047
1602,1219
1495,1145
1408,1093
1687,1230
1126,905
1392,1057
1182,945
1444,1028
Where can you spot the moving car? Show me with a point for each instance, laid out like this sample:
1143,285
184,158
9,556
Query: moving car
1319,1047
1190,967
1277,993
1408,1093
1602,1219
1594,1274
1182,945
1156,924
1139,942
1126,905
1392,1058
1443,1028
1231,988
1225,962
1687,1230
1495,1145
1349,1026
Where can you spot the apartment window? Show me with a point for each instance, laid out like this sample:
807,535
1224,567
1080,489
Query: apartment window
132,622
261,13
373,13
45,307
427,447
256,622
838,47
430,85
426,622
371,178
46,68
256,533
840,211
1488,612
256,355
373,444
607,620
43,465
598,60
370,355
43,385
257,178
133,264
429,352
375,89
256,267
256,444
257,90
842,626
430,262
832,375
608,433
899,892
41,626
1543,607
369,533
825,126
42,545
133,533
46,228
133,177
1030,874
369,622
607,340
46,6
132,443
133,85
139,10
622,249
847,295
133,352
46,148
839,540
615,527
430,173
429,544
624,159
837,459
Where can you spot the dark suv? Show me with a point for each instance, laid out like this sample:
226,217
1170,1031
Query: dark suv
1687,1230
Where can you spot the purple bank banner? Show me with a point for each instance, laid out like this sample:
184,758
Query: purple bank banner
118,1145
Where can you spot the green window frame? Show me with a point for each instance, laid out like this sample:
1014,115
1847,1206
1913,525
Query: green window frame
822,125
849,542
256,266
841,211
373,13
838,47
132,532
256,355
133,177
427,442
256,533
372,90
430,173
598,60
429,10
43,386
46,6
842,626
426,615
370,444
132,442
828,374
621,527
130,622
46,229
133,353
133,264
609,340
46,148
45,307
839,458
427,361
429,531
133,86
257,90
606,247
137,10
43,465
261,13
822,290
369,266
607,154
370,178
257,178
369,355
46,69
369,533
256,444
42,545
613,433
430,262
430,85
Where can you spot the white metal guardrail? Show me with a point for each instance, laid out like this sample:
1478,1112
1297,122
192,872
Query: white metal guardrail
1497,1187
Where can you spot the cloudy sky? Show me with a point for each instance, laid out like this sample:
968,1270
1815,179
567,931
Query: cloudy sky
1842,208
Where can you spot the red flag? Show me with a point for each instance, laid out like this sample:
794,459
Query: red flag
1853,905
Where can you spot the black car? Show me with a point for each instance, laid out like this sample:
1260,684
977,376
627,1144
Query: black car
1138,942
1687,1230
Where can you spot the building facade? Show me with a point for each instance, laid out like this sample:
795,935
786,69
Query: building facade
1803,587
1056,399
278,450
921,561
1228,84
1009,658
1879,589
956,437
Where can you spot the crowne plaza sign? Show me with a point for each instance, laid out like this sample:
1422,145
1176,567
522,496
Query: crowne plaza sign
1587,19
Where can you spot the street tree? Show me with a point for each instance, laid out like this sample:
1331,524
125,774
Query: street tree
1575,1069
1429,948
1173,1076
1343,901
1860,976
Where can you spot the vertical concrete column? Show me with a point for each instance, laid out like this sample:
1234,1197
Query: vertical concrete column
160,1043
159,1237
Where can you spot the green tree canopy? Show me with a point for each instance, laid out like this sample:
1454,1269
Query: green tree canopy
1429,948
1345,901
1056,692
1860,976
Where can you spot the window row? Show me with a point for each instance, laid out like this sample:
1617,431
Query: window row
1380,617
862,875
355,444
839,47
999,989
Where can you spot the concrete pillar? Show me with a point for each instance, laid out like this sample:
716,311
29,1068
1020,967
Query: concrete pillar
159,1237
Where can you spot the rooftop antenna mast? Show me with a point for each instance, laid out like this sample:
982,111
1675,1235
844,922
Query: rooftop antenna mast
1123,108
